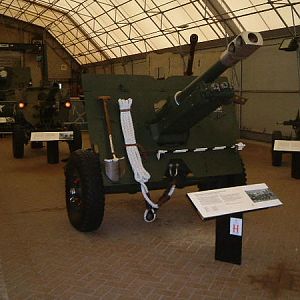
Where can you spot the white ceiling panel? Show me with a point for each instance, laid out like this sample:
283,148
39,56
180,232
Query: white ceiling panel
97,30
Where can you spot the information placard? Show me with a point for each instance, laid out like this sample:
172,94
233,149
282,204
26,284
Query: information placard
7,120
231,200
287,146
51,136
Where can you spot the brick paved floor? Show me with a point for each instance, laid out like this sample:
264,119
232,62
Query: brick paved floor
43,257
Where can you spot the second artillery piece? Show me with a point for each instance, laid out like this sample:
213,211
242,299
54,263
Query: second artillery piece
157,134
277,155
43,110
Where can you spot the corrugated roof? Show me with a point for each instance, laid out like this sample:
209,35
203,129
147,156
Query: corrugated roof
93,31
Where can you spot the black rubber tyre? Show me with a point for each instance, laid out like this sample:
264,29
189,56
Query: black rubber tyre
85,198
52,152
76,143
276,155
18,140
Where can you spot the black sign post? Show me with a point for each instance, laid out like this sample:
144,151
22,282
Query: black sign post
229,237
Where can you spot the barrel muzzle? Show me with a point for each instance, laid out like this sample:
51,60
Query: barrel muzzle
241,47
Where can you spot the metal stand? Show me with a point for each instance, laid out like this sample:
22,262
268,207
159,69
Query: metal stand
228,246
296,165
52,152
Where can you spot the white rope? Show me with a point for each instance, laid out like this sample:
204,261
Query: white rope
172,189
140,173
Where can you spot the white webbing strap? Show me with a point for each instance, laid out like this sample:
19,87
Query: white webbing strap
140,173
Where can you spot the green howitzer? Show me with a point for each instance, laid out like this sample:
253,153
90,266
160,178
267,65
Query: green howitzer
277,135
167,134
13,81
202,96
295,124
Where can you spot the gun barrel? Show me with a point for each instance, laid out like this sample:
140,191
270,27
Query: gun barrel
292,123
239,48
193,41
202,96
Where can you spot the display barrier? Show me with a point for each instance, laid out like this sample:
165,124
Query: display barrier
227,205
293,147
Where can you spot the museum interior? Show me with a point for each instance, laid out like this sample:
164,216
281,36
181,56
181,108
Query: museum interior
149,149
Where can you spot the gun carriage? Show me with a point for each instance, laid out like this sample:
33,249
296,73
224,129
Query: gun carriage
151,134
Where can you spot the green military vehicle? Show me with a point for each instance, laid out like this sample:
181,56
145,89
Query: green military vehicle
13,80
44,110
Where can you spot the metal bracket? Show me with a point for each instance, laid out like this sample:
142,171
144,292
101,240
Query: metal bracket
173,169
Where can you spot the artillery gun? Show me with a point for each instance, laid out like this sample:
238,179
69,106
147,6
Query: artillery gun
43,110
193,43
277,135
151,134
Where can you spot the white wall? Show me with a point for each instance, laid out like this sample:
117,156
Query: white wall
58,69
271,82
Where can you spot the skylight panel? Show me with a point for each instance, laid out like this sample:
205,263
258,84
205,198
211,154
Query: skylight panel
116,28
202,34
286,14
132,10
253,24
145,26
178,17
160,42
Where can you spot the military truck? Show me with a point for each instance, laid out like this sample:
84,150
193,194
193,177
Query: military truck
43,110
13,80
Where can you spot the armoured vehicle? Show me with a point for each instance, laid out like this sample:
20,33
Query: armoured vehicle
43,110
151,134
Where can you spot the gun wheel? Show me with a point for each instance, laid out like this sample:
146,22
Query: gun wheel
276,155
18,140
85,199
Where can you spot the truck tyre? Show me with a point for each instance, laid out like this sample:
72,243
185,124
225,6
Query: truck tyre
76,143
52,152
276,155
18,140
85,198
